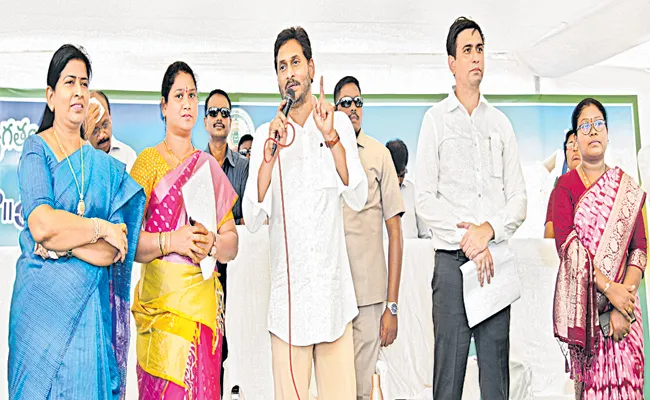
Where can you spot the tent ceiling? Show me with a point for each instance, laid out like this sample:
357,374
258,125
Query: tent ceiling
547,37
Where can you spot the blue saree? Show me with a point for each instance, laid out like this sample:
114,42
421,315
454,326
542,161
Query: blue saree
69,320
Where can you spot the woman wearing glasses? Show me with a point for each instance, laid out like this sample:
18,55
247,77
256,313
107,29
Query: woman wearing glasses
601,241
178,313
571,160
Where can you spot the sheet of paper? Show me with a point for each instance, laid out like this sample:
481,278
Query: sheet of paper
198,195
504,288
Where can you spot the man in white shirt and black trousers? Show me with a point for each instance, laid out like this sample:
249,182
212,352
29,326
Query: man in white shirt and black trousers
470,191
319,169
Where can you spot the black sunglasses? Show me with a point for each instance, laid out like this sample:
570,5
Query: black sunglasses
244,152
346,102
214,112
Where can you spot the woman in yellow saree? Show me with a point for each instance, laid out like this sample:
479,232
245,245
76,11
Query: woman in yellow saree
178,311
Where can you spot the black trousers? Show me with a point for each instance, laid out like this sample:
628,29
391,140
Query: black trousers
223,278
453,336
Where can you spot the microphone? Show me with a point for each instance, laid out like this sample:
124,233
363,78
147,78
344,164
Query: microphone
290,97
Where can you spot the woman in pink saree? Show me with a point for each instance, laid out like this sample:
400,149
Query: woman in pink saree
178,305
601,241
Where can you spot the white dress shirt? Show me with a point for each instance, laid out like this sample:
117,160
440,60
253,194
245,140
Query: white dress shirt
322,292
122,152
412,224
468,170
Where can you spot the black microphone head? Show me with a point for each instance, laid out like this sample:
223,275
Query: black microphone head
290,95
290,98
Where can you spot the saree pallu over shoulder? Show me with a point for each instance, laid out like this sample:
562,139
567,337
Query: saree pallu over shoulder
173,300
51,296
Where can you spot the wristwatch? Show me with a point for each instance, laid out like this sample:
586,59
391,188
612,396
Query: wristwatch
392,307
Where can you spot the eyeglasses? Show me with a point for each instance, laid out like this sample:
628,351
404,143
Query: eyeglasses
214,112
598,126
245,152
346,102
571,145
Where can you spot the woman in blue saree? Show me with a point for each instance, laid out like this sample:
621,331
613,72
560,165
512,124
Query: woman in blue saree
69,318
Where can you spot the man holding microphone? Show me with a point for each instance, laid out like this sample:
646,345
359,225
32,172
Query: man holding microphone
315,166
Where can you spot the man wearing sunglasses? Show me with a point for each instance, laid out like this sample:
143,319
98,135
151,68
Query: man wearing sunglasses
470,191
376,324
217,122
245,145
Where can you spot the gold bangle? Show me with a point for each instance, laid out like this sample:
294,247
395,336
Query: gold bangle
607,286
160,246
167,242
164,243
213,249
95,231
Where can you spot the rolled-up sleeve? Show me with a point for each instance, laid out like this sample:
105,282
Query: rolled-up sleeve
355,192
255,213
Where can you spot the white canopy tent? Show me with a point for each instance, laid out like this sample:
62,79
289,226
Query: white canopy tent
577,46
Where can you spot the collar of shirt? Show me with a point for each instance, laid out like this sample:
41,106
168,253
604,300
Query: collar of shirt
230,156
115,144
453,102
362,139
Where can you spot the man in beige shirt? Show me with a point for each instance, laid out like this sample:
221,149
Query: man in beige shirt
376,323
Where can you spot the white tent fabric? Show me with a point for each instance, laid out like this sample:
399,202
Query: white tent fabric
131,43
390,47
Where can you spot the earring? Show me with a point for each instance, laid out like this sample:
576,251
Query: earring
52,108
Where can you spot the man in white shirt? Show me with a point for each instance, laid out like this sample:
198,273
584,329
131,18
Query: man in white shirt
318,157
99,124
412,225
470,191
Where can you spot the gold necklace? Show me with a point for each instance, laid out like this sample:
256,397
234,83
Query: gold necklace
584,174
81,206
171,153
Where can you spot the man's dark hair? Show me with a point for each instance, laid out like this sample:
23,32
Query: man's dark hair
294,33
243,139
212,93
456,28
399,153
344,81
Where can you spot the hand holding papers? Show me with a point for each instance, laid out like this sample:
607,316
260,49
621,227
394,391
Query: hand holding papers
483,302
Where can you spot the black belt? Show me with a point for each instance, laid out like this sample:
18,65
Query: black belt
456,253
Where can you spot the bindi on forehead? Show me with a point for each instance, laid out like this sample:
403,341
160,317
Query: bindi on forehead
186,90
